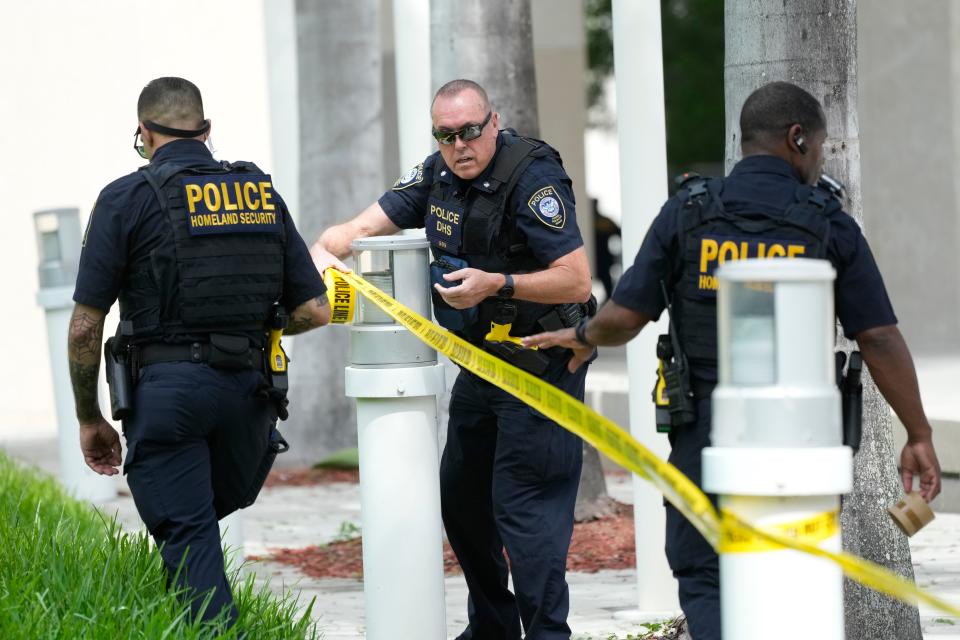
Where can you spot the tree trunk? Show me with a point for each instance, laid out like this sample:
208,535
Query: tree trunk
491,43
814,45
341,144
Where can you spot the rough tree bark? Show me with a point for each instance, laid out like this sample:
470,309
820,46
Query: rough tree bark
341,143
491,42
814,45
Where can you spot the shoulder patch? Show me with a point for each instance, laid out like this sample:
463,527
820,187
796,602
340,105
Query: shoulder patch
410,178
547,206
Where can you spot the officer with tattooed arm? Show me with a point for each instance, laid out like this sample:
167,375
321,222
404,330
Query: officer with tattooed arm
498,210
774,204
204,259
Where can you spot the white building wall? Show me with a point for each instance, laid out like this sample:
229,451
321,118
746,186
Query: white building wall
72,72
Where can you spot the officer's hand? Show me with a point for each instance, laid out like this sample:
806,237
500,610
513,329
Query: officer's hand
919,458
324,259
100,445
476,287
563,338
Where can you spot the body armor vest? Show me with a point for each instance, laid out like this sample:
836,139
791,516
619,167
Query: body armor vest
489,238
219,265
710,234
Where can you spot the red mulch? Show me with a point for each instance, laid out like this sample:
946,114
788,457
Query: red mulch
607,543
310,477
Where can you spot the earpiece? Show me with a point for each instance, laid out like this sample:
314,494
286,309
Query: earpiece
801,145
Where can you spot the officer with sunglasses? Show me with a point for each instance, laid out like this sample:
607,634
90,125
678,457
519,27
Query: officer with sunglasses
498,210
198,252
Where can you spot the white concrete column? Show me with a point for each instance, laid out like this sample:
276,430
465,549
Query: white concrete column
280,28
411,29
638,59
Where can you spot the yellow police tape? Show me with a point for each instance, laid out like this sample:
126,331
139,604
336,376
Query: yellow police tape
734,539
724,531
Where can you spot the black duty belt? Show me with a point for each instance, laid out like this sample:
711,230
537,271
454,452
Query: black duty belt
195,352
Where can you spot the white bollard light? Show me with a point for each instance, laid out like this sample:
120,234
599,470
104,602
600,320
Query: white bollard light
396,378
58,245
777,454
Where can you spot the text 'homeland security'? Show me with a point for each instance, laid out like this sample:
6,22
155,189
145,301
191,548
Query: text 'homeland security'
220,219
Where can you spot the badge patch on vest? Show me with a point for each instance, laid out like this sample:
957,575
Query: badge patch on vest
231,203
410,178
547,206
715,250
444,225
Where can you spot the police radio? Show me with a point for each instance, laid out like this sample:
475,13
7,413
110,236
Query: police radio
672,395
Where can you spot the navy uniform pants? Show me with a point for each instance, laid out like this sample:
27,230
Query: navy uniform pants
508,480
194,447
693,561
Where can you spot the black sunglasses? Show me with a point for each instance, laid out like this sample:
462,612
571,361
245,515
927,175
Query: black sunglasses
138,144
467,133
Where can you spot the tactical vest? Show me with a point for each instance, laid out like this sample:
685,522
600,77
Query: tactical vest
710,235
488,237
219,265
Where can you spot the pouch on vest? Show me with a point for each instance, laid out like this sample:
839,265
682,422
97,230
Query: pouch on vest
229,352
447,316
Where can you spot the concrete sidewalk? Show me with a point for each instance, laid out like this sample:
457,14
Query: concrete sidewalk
298,517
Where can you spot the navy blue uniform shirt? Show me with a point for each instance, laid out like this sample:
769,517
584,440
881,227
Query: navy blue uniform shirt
127,222
550,225
860,298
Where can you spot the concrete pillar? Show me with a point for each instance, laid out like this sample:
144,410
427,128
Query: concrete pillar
411,39
643,175
910,150
560,60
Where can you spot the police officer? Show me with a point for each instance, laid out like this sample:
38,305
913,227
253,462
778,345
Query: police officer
198,253
498,210
769,200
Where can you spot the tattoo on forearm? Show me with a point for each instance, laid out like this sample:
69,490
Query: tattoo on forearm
300,322
86,337
84,379
83,351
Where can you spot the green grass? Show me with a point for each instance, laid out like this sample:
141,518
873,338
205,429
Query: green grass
67,572
342,459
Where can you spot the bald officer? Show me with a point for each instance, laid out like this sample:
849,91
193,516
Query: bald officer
498,210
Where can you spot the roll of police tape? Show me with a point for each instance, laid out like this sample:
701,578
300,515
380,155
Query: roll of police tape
727,533
341,295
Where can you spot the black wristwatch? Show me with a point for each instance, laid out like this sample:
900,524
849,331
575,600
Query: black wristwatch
506,291
580,333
